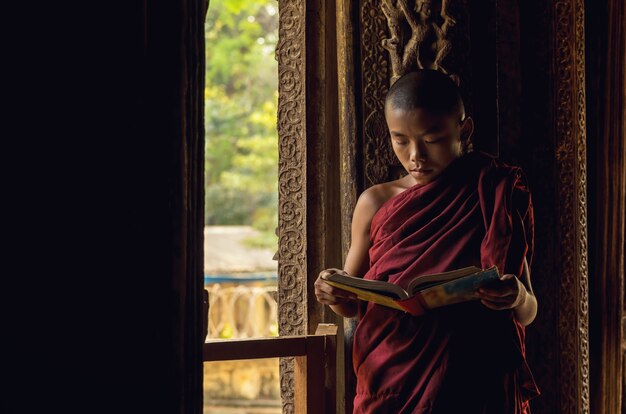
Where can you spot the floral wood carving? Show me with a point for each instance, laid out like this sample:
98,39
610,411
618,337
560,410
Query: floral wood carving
571,157
291,184
375,80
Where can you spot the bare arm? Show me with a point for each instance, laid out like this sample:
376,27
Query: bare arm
526,311
513,293
357,261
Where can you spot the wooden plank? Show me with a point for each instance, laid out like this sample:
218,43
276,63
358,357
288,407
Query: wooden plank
326,329
309,372
330,363
316,374
300,381
282,346
231,349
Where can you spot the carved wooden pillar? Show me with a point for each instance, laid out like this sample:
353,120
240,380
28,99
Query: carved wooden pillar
571,158
292,310
309,224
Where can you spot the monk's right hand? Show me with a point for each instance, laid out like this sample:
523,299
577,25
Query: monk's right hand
330,295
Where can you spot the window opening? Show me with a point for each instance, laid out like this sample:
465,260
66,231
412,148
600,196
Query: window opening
241,199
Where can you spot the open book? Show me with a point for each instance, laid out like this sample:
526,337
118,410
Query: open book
423,293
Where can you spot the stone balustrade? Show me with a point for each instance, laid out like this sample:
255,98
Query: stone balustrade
242,310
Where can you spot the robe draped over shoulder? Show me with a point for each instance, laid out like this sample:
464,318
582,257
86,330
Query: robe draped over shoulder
462,358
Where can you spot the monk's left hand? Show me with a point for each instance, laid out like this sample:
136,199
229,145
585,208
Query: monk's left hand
506,293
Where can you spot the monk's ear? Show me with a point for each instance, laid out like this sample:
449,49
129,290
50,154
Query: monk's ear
467,129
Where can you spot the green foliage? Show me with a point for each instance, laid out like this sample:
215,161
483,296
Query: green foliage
241,102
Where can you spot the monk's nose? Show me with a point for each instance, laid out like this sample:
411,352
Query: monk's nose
418,152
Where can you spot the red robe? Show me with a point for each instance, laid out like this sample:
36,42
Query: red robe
462,358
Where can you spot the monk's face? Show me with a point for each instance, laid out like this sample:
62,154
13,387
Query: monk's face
425,143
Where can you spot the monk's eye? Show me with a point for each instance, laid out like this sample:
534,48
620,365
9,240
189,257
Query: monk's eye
434,140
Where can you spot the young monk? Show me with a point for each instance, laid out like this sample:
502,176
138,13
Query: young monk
453,209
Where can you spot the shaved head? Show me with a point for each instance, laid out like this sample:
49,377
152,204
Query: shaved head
426,89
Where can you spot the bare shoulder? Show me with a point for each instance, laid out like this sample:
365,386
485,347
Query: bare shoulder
372,199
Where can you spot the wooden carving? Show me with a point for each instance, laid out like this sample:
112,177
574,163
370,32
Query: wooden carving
427,42
398,36
292,269
571,157
378,155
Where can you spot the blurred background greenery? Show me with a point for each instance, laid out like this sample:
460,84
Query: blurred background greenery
241,99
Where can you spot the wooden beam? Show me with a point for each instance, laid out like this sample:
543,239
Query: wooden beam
309,392
231,349
315,373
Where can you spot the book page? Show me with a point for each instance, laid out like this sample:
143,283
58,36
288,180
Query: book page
368,295
459,290
377,286
425,281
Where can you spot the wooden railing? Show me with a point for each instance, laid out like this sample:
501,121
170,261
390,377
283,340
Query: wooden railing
315,363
